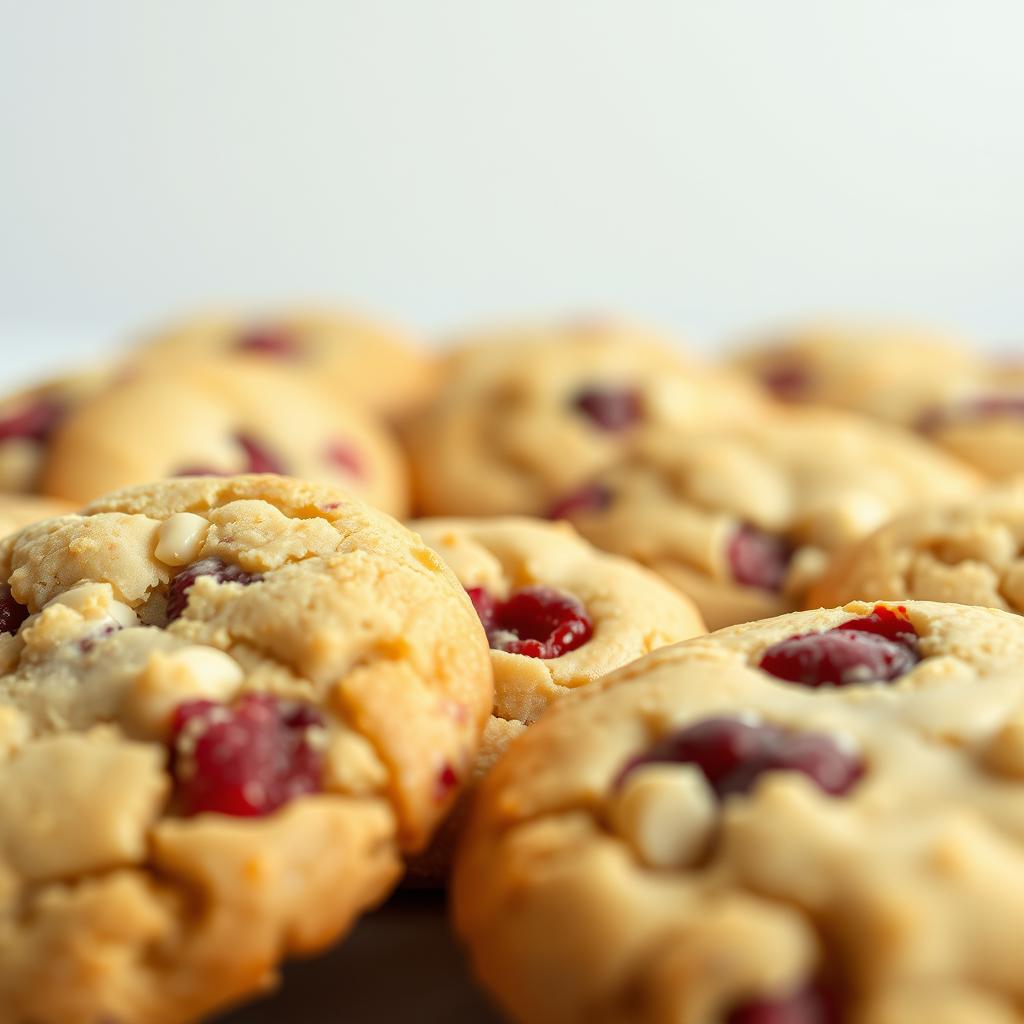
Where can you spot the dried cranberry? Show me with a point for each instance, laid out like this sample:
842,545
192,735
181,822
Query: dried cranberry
247,759
34,422
985,407
733,754
345,457
260,460
12,614
810,1005
787,381
759,559
276,342
222,572
590,498
447,779
611,409
879,647
536,621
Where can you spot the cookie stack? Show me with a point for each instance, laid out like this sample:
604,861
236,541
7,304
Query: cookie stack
240,702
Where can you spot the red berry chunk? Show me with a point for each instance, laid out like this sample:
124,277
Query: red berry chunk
248,759
810,1005
987,407
222,572
879,647
759,559
345,457
611,409
12,614
733,754
34,422
260,460
591,498
275,342
787,381
536,621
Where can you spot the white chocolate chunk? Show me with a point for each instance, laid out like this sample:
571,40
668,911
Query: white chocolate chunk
172,677
666,812
181,538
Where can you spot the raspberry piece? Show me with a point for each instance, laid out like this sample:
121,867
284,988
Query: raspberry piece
222,572
611,409
759,559
12,614
733,754
247,759
810,1005
345,457
275,342
590,498
537,622
879,647
34,422
260,460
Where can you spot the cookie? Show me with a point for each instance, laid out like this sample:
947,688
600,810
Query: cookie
527,413
361,360
18,510
892,372
219,418
967,552
743,518
558,614
692,840
28,420
227,707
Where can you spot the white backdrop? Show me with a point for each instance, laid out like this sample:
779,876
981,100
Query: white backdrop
707,164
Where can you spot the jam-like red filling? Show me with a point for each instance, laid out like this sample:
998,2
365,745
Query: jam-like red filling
247,759
538,622
879,647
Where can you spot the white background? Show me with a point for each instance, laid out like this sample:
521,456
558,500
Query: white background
709,165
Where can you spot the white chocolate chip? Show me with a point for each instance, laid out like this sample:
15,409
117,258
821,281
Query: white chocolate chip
181,538
122,614
172,677
666,812
96,601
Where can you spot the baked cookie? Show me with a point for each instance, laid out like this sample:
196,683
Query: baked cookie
18,510
364,361
558,614
527,413
28,420
227,707
892,372
219,418
743,518
968,552
691,841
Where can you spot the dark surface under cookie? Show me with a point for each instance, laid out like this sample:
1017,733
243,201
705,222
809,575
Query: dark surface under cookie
400,963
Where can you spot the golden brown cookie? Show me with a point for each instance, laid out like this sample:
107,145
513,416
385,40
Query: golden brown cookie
363,361
220,419
968,552
558,614
890,371
527,413
227,707
743,518
692,840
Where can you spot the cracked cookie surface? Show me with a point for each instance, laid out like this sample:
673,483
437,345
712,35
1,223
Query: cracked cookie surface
227,707
693,840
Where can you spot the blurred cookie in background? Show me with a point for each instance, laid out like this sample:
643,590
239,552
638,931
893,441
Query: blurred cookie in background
220,418
558,614
367,361
968,552
744,518
888,371
525,413
28,419
18,510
